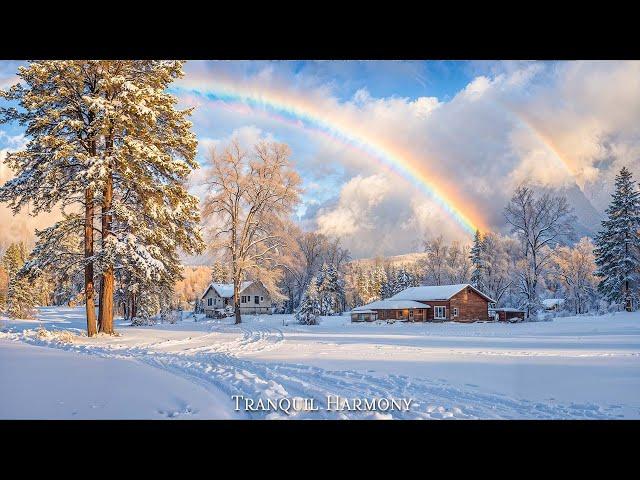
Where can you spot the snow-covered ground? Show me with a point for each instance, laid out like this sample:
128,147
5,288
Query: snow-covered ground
575,367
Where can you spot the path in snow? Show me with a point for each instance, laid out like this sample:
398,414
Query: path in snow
204,359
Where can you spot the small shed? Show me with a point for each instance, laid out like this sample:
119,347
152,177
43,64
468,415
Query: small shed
364,316
551,304
507,314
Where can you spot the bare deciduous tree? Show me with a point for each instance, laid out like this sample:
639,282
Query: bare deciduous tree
250,195
540,222
575,268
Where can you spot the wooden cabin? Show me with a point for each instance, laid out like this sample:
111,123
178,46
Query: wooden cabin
254,298
439,303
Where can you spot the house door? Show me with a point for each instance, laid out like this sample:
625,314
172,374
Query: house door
411,315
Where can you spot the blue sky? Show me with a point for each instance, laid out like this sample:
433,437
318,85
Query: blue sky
474,129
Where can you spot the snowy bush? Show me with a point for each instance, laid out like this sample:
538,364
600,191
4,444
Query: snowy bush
170,316
143,321
58,336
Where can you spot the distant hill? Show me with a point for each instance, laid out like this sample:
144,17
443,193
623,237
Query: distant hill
588,217
395,260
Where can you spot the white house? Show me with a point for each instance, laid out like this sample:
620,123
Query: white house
254,298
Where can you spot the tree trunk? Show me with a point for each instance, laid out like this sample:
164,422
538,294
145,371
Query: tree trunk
106,286
236,301
88,269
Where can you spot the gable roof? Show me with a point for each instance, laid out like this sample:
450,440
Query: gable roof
391,304
225,290
435,292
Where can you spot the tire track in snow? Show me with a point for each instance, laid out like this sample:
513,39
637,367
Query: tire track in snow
223,370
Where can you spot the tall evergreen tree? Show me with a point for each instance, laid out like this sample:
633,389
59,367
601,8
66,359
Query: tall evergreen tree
618,244
475,255
53,101
106,134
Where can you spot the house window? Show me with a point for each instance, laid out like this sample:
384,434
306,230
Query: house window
243,299
440,312
398,314
256,299
209,302
455,311
261,298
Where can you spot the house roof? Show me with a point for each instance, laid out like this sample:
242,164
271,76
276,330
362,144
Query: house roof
552,302
390,304
507,309
225,290
435,292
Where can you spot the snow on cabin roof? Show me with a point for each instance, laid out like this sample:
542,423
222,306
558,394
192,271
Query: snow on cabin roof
552,302
434,292
507,309
390,304
225,290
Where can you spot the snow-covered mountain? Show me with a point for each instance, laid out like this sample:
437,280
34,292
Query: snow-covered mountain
588,217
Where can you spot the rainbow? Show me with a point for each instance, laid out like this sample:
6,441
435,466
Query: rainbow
531,125
303,114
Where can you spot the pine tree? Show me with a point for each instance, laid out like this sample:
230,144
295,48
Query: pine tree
618,244
20,293
389,286
220,273
309,309
59,163
476,260
327,286
403,280
4,288
106,134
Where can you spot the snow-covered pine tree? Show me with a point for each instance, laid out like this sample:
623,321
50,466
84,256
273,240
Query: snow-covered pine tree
60,164
220,273
148,234
362,288
309,309
476,255
389,286
20,294
148,153
402,281
618,244
4,288
327,285
107,132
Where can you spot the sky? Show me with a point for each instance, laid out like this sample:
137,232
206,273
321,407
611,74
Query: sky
391,152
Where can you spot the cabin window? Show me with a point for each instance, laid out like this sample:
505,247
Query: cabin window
440,312
209,302
455,311
261,298
398,314
243,299
256,299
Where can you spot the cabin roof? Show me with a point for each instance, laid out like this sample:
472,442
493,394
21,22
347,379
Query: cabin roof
225,290
435,292
390,304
